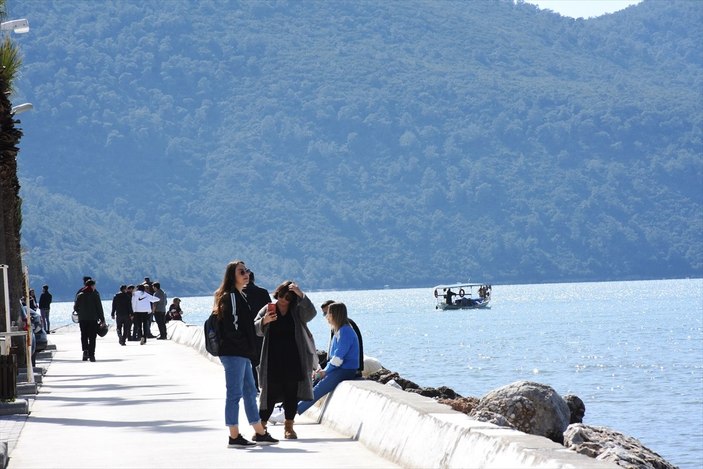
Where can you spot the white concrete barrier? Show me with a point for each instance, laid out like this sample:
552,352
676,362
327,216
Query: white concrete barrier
190,335
417,432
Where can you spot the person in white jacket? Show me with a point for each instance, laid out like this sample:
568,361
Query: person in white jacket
141,306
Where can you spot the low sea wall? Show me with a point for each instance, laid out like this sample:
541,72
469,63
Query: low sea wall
416,431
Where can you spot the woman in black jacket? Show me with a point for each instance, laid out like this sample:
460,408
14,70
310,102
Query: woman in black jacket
238,348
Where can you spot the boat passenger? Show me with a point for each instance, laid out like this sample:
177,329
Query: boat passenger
449,296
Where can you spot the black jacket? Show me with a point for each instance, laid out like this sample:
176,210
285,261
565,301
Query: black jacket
45,300
122,304
88,306
257,297
238,335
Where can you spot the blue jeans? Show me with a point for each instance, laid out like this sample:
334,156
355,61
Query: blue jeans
240,384
327,385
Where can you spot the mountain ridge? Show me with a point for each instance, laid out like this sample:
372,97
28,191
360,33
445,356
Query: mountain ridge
355,145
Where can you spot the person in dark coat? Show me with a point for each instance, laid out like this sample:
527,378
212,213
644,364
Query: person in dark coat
45,307
257,297
288,354
160,310
121,312
90,312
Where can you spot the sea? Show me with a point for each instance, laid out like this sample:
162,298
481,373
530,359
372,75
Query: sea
632,351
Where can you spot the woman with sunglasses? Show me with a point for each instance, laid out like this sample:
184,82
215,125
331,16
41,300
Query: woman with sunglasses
288,353
343,357
237,351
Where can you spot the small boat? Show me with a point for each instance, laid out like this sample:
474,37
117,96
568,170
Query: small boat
461,296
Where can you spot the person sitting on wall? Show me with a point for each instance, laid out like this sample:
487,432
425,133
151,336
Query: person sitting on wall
175,313
344,356
325,307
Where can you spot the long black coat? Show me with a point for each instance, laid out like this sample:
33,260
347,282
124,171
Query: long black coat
257,298
302,313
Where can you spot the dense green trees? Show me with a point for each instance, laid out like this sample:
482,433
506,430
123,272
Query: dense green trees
359,144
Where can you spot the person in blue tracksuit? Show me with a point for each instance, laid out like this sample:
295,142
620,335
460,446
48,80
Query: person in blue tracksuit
343,358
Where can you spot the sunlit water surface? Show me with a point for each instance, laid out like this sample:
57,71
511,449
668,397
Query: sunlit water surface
633,351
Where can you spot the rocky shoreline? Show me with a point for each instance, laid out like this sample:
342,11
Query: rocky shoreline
537,409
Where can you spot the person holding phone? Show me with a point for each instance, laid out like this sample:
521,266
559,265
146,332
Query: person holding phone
288,353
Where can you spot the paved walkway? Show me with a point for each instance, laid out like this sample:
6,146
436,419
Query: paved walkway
153,406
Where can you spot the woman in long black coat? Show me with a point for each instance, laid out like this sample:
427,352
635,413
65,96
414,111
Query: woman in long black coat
288,353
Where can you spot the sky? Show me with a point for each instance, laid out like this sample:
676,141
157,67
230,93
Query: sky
583,8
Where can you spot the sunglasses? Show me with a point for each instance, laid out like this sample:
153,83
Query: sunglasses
243,271
288,296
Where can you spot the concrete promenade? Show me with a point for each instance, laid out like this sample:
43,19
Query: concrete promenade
152,406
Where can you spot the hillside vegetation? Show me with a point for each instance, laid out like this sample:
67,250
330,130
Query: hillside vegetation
357,144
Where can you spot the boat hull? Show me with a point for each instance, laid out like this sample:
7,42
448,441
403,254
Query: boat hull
470,304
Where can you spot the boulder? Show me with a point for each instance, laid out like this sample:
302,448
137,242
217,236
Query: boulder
461,404
383,376
442,392
491,417
406,384
371,366
605,444
576,407
530,407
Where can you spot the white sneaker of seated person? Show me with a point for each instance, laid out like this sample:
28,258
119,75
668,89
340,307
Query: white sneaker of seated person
277,416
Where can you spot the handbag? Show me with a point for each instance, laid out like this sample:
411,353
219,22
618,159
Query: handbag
102,328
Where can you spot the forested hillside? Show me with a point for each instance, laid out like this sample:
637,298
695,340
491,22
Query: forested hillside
357,144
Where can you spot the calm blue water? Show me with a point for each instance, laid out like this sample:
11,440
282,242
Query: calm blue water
633,351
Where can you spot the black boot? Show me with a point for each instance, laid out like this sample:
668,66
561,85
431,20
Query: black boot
92,358
85,355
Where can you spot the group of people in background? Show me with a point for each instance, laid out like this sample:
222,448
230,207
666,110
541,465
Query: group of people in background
275,336
134,309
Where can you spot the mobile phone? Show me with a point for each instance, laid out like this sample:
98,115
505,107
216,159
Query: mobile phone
271,308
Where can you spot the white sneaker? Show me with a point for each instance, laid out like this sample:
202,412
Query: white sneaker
277,416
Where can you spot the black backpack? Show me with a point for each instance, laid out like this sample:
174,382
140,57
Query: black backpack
213,333
213,338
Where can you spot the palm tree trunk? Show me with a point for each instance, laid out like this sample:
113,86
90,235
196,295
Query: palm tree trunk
10,206
10,202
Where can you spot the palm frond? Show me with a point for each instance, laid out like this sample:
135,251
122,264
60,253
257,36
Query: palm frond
10,62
